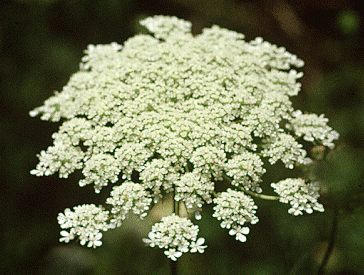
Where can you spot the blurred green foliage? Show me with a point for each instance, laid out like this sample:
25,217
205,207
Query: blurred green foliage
349,21
41,44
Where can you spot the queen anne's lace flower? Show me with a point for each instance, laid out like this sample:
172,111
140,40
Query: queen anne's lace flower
287,149
246,170
313,128
175,113
99,170
158,175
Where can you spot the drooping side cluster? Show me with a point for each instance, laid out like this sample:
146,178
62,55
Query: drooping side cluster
300,195
169,112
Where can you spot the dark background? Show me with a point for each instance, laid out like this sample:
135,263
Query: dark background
41,45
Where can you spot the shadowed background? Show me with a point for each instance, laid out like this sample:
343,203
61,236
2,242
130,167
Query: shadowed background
41,45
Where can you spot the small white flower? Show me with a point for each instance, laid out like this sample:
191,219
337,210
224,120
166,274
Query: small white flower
66,236
198,246
173,254
95,240
240,232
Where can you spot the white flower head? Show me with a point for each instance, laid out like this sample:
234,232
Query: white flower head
313,128
170,112
246,170
158,176
163,26
284,147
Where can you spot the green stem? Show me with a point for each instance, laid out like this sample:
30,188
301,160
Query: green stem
251,193
175,207
330,247
214,194
261,196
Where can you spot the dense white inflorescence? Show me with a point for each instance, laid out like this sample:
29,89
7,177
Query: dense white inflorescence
177,235
85,222
176,113
301,196
235,209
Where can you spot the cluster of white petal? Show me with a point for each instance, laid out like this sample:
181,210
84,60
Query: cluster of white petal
285,148
194,189
313,128
246,170
85,222
173,112
99,170
177,235
162,28
209,160
300,195
234,209
62,157
158,175
128,196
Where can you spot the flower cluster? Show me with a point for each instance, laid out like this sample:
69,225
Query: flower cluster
301,196
86,222
193,189
177,235
126,197
235,208
169,112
